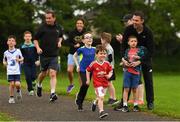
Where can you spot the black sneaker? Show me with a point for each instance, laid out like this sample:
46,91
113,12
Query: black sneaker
39,91
80,108
112,101
125,109
150,106
119,107
53,97
103,114
136,108
93,107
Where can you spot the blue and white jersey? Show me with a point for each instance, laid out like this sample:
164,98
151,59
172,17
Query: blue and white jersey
13,67
87,55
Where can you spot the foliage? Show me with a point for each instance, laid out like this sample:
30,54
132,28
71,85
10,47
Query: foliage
162,16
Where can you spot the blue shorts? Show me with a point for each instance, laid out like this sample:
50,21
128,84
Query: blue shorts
13,78
70,59
131,80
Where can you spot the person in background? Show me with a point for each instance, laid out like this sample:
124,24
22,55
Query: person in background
105,41
30,55
145,38
74,41
128,21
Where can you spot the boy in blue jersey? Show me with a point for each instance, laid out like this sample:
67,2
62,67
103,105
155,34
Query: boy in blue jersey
12,59
30,61
87,54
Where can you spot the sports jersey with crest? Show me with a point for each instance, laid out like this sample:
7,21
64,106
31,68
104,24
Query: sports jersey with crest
13,67
99,70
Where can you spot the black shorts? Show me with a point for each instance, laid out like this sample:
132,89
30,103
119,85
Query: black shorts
113,77
48,63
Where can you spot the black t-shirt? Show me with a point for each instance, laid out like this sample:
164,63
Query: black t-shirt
48,37
75,37
145,38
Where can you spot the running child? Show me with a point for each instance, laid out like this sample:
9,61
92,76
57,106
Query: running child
87,54
12,59
101,71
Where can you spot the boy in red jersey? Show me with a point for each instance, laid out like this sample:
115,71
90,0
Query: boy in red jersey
101,71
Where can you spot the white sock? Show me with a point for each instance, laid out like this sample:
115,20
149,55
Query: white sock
135,103
125,104
52,91
39,84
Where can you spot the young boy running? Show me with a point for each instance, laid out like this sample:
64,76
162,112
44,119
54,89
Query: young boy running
30,55
132,60
12,59
101,71
87,54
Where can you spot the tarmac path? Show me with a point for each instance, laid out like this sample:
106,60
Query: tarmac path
33,108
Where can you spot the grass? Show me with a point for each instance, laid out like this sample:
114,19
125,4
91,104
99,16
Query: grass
166,85
4,117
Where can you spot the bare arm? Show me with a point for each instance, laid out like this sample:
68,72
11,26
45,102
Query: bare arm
36,44
87,77
59,43
75,57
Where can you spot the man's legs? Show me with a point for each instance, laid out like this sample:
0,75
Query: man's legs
53,80
41,77
148,79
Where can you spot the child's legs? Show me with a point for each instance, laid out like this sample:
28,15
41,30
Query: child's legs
134,86
11,88
83,89
126,85
125,95
112,93
28,75
100,93
140,91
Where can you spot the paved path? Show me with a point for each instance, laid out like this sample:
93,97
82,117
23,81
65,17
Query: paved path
33,108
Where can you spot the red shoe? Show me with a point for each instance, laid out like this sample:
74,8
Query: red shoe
140,102
131,101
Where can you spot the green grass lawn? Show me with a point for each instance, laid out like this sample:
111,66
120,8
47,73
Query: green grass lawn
165,88
4,117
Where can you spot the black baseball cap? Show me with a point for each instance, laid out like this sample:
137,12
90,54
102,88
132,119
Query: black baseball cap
127,17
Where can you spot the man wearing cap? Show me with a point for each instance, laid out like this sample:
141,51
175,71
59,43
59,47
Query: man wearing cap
145,38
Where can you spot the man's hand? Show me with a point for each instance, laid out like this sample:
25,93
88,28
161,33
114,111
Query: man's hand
39,50
119,38
59,44
77,45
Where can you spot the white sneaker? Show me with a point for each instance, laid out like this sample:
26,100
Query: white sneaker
31,93
11,100
19,95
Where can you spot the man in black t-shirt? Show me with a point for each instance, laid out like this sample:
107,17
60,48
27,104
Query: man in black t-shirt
47,41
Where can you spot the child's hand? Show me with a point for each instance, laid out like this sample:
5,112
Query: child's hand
5,63
37,63
87,82
77,69
134,64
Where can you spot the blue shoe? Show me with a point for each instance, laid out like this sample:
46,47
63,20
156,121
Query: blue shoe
70,88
